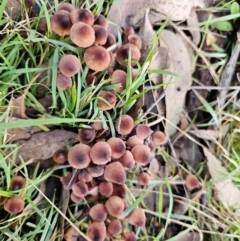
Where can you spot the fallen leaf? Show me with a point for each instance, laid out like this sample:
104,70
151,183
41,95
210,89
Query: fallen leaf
194,29
190,236
18,107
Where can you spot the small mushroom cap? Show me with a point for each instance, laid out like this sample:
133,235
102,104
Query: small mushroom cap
152,146
64,82
80,189
98,212
3,200
86,136
61,23
123,53
129,236
100,35
78,156
97,58
93,192
118,147
143,178
75,198
114,227
137,217
108,100
141,154
106,188
119,190
136,40
97,231
124,124
68,181
115,173
69,65
111,40
158,138
82,35
14,205
119,77
17,182
82,15
101,153
91,79
66,6
133,141
71,234
97,124
60,156
143,131
42,26
128,31
115,206
84,176
127,160
102,21
191,182
95,170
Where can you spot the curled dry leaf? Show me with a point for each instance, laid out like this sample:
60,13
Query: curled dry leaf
18,107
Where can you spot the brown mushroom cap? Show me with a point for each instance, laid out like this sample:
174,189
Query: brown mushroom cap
97,231
100,35
42,26
3,200
123,53
115,173
82,15
115,206
127,160
61,23
64,82
143,131
102,21
14,205
101,153
95,170
69,65
75,198
118,147
60,156
158,138
91,79
136,40
86,136
97,58
97,124
137,217
191,182
128,31
119,190
66,6
124,124
80,189
141,154
108,100
106,188
133,141
152,146
98,212
84,176
68,181
111,40
129,236
78,156
119,77
82,35
143,178
114,227
17,182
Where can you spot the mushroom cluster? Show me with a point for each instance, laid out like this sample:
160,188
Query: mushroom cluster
103,163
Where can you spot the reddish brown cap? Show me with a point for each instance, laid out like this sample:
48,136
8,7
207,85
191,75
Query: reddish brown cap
17,182
60,156
133,141
68,181
123,53
14,205
75,198
80,189
108,100
95,170
114,227
102,21
115,173
64,82
3,200
66,6
82,15
119,190
143,178
97,58
78,156
98,212
143,131
86,136
119,77
191,182
129,236
124,124
82,35
152,146
69,65
158,138
97,124
111,40
100,35
91,79
97,231
118,147
128,31
137,217
127,160
115,206
42,26
61,23
101,153
141,154
136,40
84,176
106,188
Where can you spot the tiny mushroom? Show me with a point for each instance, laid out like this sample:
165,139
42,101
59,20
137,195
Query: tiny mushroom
119,77
127,160
84,176
60,156
158,138
124,124
143,131
75,198
118,147
82,15
68,180
80,189
14,205
102,21
137,217
86,136
141,154
115,206
191,182
106,188
69,65
98,212
64,82
133,141
114,227
107,100
136,40
128,31
66,6
101,153
119,190
115,173
95,170
17,182
100,35
97,231
111,40
143,178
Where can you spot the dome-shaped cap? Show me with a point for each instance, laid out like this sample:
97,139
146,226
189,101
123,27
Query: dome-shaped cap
108,100
158,138
191,182
119,77
84,176
82,15
95,170
97,231
69,65
133,141
114,227
118,147
123,53
17,182
119,190
141,154
66,6
124,124
100,35
101,153
91,79
128,31
78,156
102,21
97,125
137,217
143,178
82,35
61,23
75,198
136,40
106,188
80,189
115,173
115,206
86,136
129,236
127,160
97,58
60,156
42,25
14,205
98,212
143,131
64,82
111,40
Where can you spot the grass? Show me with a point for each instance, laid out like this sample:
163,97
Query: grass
20,67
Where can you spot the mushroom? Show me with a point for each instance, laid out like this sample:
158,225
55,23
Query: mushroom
80,189
143,178
119,190
69,65
127,160
101,153
14,205
42,25
97,124
102,21
78,156
118,147
128,31
107,101
136,40
106,188
91,79
64,82
75,198
115,173
111,40
98,213
61,23
84,176
95,170
137,217
191,182
129,236
100,35
82,35
114,227
97,58
115,206
82,15
86,136
97,231
158,138
60,156
3,200
17,182
143,131
68,180
124,124
119,77
133,141
141,154
66,6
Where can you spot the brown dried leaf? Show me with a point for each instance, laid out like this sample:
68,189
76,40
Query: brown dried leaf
18,107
